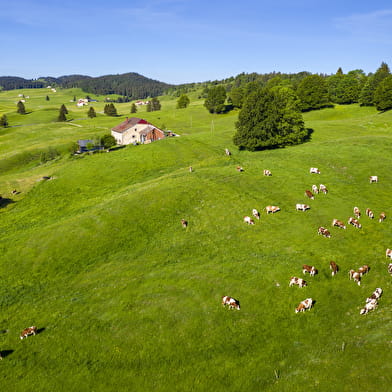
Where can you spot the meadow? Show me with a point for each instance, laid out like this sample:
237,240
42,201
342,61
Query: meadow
126,299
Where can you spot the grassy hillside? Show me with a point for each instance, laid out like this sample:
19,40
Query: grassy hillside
128,300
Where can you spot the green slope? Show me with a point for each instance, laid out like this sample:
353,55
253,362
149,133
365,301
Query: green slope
126,299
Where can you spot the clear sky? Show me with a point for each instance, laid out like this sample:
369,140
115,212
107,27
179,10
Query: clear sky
180,41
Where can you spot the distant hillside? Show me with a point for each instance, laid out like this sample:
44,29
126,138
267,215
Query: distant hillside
131,84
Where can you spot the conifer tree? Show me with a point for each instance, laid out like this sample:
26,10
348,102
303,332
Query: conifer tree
64,109
383,94
47,98
21,108
3,121
91,112
155,104
133,108
61,116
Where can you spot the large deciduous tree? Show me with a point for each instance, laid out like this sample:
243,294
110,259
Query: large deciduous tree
270,118
313,93
183,101
215,101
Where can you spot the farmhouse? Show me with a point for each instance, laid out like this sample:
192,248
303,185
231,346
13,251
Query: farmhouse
136,130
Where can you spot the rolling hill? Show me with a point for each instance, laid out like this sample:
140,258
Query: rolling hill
126,299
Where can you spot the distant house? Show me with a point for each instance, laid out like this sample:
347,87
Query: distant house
82,102
136,130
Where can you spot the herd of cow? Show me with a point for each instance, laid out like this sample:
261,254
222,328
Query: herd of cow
372,301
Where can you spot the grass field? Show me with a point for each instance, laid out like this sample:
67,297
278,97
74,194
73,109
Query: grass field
127,300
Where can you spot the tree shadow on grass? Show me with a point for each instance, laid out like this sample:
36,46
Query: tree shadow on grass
4,201
5,353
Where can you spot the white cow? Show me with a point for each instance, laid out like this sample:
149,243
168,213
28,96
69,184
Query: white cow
302,207
373,179
314,170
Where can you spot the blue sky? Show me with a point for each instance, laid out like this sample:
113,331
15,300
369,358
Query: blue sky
180,41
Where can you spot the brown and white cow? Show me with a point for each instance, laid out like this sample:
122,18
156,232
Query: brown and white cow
231,302
354,222
28,331
375,295
297,281
357,213
256,213
309,194
323,189
369,213
388,253
373,179
240,169
305,304
363,270
267,172
324,232
390,268
333,267
371,305
314,170
355,276
338,223
382,217
227,152
272,209
309,269
315,189
184,223
302,207
249,220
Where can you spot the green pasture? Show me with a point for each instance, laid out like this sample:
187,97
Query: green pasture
126,299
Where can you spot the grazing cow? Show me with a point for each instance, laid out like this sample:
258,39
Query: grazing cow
369,213
184,223
190,169
227,152
363,270
333,267
356,276
357,213
28,331
390,268
302,207
298,281
267,172
338,223
373,179
256,213
240,169
231,302
324,232
249,220
314,170
323,189
309,194
369,306
388,253
382,217
315,189
15,192
354,222
310,269
272,209
305,304
375,295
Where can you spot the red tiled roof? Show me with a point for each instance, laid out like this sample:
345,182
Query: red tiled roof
129,123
